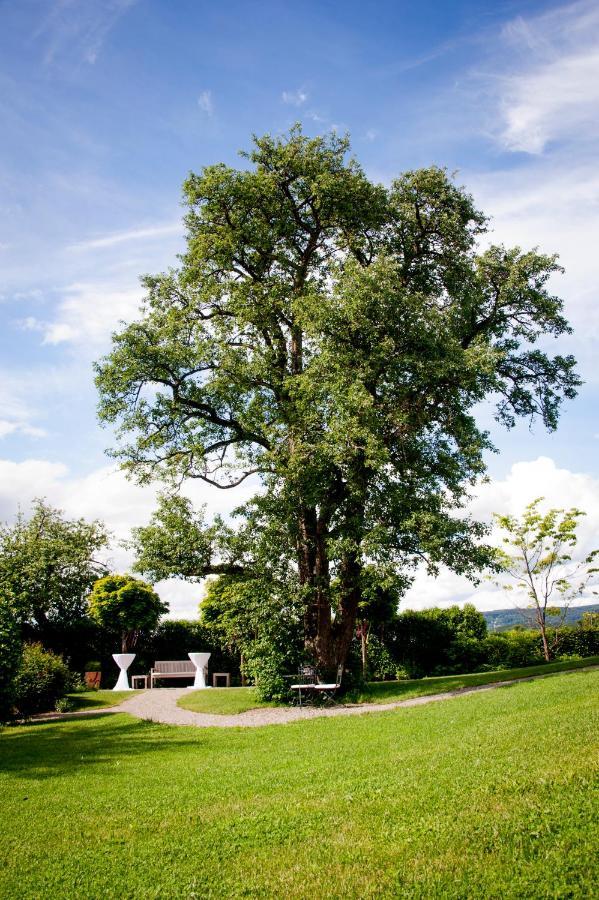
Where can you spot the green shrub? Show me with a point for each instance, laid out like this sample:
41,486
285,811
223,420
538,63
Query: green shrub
266,668
401,674
464,654
93,666
43,678
10,656
438,641
381,665
513,649
65,704
581,640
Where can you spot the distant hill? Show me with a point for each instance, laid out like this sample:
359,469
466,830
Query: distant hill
503,619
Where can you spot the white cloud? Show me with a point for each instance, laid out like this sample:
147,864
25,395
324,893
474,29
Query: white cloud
15,427
133,234
550,91
525,482
554,101
18,394
295,98
206,103
553,205
86,315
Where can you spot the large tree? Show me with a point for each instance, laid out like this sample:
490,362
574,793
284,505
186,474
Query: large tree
332,338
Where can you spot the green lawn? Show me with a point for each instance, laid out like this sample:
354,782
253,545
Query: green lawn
225,701
229,701
99,699
388,691
491,795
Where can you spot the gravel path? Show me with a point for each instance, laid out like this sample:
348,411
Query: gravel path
160,705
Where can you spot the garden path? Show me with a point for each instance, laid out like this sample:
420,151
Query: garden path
160,705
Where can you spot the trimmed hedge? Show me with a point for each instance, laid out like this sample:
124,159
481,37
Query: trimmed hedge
504,650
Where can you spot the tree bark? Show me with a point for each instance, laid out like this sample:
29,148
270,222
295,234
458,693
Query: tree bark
546,651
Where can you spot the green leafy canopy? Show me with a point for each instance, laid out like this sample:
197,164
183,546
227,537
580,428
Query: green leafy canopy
125,606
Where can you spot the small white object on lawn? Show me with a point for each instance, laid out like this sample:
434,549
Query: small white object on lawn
200,661
123,661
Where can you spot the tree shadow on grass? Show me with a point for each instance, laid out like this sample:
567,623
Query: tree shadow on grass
90,743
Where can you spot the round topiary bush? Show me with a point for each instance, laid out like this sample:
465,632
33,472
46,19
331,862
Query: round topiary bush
43,678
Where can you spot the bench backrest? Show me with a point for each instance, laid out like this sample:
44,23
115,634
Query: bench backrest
175,667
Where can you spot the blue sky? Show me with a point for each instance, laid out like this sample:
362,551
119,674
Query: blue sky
106,105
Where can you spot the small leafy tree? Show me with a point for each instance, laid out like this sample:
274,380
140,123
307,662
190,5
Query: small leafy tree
259,619
589,619
377,609
125,606
537,555
48,564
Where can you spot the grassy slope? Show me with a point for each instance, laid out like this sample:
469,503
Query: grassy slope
99,699
388,691
229,701
489,796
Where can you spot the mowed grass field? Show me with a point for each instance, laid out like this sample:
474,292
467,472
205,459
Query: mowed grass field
490,795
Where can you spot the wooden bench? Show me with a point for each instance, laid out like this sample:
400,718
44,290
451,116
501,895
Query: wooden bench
178,668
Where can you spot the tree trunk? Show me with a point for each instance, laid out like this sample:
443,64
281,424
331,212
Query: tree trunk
345,623
328,641
364,647
546,651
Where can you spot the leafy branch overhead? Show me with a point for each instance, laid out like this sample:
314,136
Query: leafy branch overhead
329,340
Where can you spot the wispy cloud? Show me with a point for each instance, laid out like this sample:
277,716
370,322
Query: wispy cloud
75,28
551,91
11,427
133,234
295,98
20,390
551,202
86,315
206,103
